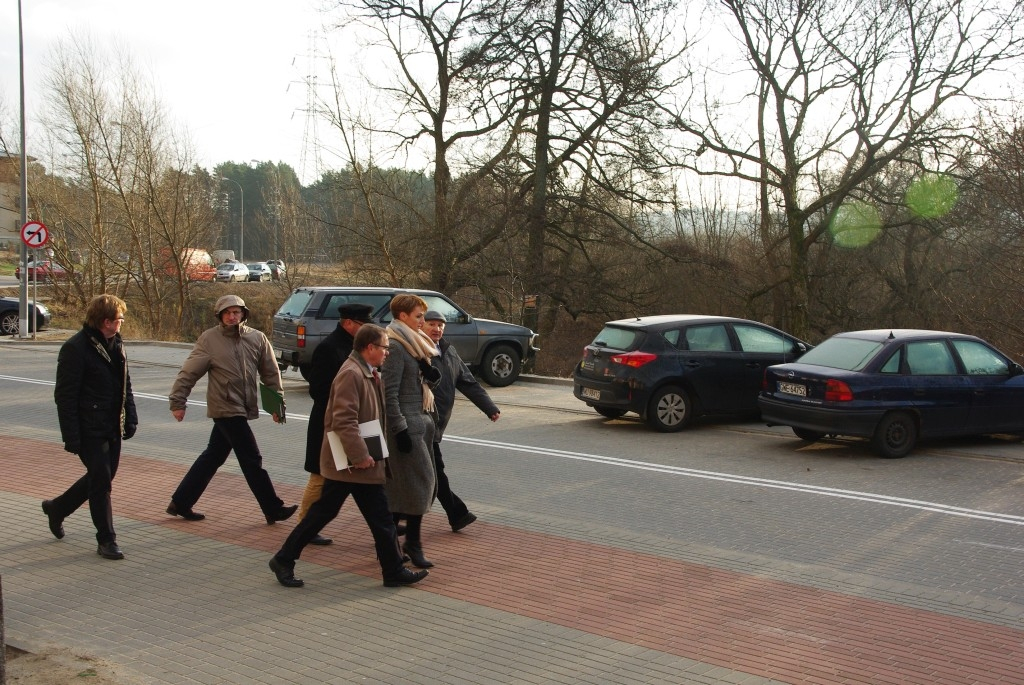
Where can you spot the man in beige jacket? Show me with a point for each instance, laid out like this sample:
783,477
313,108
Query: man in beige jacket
356,398
235,357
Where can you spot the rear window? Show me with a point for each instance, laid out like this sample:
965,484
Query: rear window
617,338
296,303
329,310
850,354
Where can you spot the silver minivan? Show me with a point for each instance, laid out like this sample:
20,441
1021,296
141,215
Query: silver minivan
494,350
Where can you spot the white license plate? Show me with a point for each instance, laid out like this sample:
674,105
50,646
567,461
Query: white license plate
590,393
793,389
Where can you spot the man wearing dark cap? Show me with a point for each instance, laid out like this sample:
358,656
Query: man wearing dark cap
455,375
328,357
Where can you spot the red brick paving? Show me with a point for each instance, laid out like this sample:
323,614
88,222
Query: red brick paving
744,622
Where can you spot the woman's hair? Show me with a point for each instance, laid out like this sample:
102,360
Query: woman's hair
367,335
103,307
406,303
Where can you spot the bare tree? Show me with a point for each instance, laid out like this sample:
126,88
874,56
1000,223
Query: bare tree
449,102
127,200
830,95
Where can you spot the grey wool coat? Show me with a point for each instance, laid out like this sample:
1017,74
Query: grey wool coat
413,483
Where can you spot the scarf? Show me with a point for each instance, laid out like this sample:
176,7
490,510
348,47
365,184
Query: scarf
420,347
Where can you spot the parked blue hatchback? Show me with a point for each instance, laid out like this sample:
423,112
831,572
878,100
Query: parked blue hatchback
894,387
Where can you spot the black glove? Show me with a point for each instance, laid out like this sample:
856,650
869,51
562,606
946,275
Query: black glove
404,441
72,447
129,430
430,374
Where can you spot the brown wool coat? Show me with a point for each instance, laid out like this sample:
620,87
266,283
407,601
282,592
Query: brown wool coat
355,398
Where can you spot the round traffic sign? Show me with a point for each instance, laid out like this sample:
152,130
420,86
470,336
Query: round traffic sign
34,234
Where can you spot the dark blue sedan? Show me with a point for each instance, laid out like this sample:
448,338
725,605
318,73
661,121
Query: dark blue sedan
894,387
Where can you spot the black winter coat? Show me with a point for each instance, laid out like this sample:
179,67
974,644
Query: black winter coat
328,357
93,392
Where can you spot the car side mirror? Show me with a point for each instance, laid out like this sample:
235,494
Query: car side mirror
1016,369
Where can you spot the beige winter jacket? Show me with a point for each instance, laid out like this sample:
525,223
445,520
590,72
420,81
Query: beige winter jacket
235,359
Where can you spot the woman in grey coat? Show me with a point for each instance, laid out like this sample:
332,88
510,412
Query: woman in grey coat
408,399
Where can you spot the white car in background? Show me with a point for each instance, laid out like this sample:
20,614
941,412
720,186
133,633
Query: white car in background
229,272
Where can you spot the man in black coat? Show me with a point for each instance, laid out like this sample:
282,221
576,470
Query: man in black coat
328,357
96,410
455,375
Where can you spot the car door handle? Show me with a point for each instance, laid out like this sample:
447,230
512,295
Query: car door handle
752,365
691,363
919,393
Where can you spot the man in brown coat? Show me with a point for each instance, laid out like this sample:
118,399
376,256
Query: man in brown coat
356,398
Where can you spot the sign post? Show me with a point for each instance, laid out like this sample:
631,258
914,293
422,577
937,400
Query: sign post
35,235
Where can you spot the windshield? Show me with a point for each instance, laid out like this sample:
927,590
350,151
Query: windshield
296,304
850,354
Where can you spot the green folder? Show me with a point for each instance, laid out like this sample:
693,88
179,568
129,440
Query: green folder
273,401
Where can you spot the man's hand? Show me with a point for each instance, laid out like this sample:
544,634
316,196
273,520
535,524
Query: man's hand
365,464
179,414
404,441
129,430
495,416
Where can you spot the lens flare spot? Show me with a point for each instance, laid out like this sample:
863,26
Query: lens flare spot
855,224
932,196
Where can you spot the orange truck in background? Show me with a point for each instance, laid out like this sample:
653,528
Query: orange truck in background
197,264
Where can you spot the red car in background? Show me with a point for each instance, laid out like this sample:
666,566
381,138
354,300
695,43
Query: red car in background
45,270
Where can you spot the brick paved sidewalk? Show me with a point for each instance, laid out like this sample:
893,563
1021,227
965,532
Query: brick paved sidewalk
196,603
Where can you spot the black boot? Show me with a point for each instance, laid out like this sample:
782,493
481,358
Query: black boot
412,545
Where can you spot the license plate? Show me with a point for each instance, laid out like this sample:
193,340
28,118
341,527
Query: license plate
793,389
590,393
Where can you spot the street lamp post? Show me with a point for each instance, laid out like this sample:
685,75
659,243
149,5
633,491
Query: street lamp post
241,218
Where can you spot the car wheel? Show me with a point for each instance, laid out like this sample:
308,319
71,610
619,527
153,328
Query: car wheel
610,412
808,435
669,409
9,323
500,366
895,435
306,370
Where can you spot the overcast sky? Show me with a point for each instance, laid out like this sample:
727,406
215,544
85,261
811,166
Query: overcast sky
230,71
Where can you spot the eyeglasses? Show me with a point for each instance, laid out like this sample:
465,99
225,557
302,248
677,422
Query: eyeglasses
382,347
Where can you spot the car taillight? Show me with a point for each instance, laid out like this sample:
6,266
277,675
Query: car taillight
837,391
633,359
300,336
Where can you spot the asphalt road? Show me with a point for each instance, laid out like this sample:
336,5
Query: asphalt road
943,528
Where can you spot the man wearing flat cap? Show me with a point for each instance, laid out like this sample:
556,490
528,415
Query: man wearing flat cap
328,357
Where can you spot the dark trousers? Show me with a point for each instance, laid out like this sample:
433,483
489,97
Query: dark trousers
373,505
454,507
228,434
101,457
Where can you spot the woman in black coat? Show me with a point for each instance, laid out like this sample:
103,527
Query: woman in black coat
96,410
